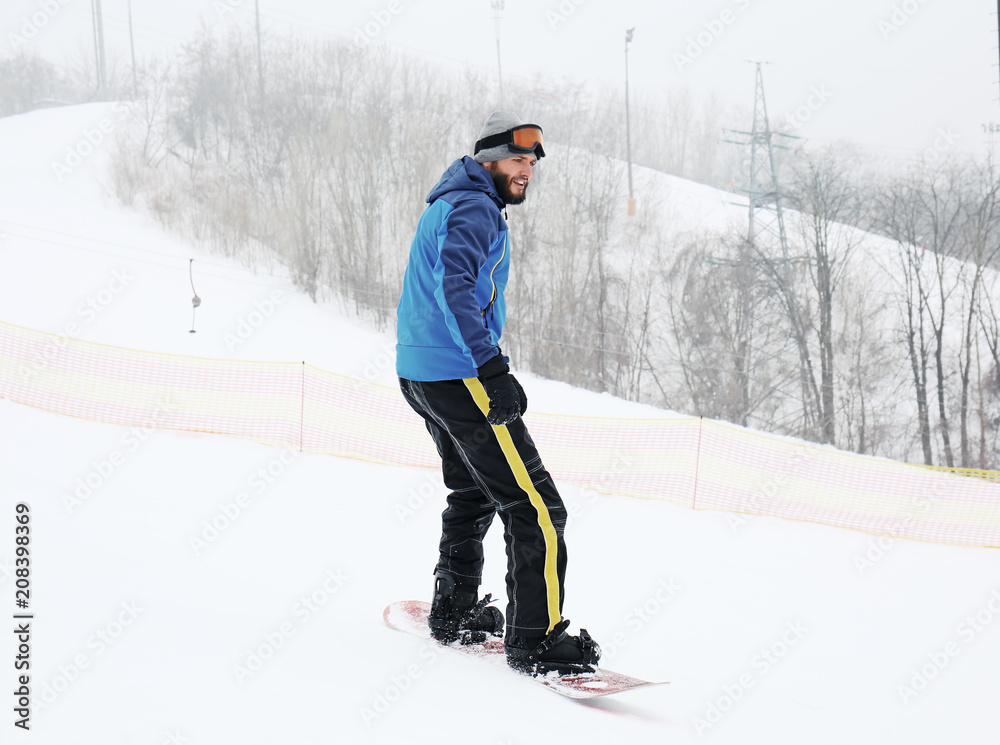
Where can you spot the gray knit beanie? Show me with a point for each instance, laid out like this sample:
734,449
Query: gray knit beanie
499,121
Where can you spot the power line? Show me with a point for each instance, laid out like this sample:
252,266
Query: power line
151,261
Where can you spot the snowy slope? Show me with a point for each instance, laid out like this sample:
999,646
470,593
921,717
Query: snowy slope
212,590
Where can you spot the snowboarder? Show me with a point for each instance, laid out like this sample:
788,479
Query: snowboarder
453,374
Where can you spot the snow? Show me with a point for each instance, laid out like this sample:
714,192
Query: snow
214,590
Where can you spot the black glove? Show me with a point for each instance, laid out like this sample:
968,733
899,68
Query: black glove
507,399
521,397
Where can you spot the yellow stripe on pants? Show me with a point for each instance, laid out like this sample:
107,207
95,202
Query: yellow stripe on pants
520,472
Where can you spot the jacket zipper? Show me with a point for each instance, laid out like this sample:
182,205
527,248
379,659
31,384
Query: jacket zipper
493,294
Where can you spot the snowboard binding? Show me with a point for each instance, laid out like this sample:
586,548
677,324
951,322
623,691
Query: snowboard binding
456,615
556,652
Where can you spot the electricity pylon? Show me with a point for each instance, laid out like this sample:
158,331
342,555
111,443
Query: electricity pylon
766,226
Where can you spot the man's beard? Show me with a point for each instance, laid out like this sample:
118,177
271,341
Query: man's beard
502,184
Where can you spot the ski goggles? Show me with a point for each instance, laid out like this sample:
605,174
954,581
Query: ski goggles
526,138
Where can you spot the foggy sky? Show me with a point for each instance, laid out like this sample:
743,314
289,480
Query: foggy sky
898,75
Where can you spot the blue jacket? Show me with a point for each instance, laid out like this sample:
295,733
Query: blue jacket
451,312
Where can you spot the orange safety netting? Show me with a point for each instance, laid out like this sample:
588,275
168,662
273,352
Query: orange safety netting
687,461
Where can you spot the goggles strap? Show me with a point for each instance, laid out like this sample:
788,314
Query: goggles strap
501,138
504,138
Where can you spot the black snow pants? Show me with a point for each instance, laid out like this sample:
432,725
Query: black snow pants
489,470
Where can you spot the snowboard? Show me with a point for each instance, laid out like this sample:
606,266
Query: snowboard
410,616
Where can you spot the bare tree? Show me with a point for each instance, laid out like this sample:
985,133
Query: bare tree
640,307
827,196
726,335
26,80
989,388
981,248
900,216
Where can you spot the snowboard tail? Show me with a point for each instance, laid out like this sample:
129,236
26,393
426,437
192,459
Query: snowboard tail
410,616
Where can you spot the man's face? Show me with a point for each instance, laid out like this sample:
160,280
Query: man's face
511,176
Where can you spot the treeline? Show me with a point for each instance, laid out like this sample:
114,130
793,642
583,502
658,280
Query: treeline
323,163
27,82
874,329
876,332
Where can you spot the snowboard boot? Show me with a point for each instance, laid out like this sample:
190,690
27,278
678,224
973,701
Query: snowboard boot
456,615
555,652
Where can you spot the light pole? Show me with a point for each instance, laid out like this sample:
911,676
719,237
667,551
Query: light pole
131,42
497,6
100,69
628,128
260,57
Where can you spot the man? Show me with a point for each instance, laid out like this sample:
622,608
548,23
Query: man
453,374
